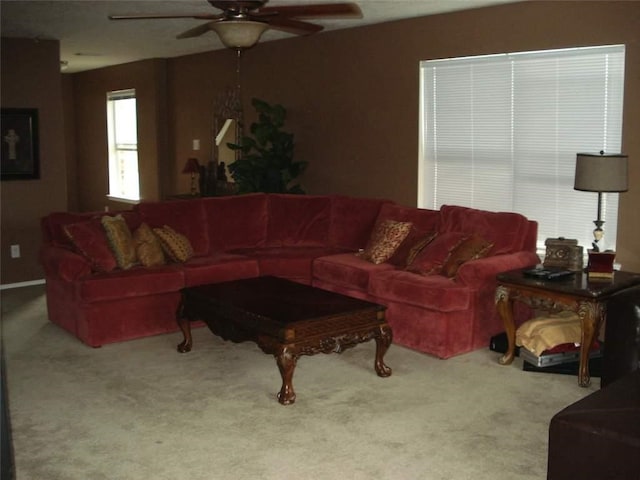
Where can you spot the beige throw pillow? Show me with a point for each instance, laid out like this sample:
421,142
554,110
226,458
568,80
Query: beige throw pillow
175,245
120,240
148,247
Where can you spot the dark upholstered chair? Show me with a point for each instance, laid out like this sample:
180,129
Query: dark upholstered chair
599,436
622,336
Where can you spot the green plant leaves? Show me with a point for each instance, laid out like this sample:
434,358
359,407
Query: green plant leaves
266,162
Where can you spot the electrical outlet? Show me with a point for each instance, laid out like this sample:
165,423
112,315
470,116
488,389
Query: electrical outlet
15,251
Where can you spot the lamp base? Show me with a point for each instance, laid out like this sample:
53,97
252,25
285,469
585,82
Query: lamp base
600,264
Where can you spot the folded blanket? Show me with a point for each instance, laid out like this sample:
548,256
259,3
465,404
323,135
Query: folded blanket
542,333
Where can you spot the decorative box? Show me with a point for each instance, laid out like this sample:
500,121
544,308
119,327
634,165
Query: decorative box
563,253
600,264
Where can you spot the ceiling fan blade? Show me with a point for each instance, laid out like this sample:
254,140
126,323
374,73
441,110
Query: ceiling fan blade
196,31
203,16
344,10
290,25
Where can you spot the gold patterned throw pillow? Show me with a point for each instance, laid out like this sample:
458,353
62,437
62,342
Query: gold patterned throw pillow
120,240
148,247
385,239
176,246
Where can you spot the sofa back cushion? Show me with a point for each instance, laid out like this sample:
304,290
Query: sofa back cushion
238,221
352,221
421,218
53,230
505,230
301,220
186,217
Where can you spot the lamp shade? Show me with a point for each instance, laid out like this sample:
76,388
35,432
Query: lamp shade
192,166
601,172
239,33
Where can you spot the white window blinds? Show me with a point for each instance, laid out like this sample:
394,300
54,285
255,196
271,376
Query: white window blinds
501,132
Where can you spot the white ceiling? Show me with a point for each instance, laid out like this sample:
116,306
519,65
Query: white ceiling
88,39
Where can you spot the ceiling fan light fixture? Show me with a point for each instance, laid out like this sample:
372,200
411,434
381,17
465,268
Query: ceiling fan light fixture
239,33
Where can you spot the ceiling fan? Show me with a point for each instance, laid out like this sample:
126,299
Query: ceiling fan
242,22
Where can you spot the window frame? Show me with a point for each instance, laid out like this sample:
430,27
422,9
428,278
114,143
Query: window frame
118,190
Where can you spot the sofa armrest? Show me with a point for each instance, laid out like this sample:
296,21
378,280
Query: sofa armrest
64,263
482,272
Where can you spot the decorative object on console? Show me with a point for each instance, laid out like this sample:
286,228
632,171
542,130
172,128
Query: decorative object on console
193,167
600,173
563,253
600,264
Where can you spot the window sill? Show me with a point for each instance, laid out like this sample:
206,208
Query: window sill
128,201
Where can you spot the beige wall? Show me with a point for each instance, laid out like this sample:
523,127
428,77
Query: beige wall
352,99
89,98
31,79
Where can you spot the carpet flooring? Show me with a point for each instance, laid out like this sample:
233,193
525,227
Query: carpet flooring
139,410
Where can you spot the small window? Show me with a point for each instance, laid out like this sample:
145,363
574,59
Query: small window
122,131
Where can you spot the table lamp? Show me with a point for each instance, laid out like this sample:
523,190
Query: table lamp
192,166
600,173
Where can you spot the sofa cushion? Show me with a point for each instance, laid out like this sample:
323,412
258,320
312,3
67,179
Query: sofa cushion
175,245
423,219
298,220
120,240
90,240
433,292
218,267
386,237
184,216
288,262
434,255
346,269
352,220
238,221
471,248
136,282
148,248
507,231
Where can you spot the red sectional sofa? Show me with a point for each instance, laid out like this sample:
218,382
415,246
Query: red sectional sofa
305,238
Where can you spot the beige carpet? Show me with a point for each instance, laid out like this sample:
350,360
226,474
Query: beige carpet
139,410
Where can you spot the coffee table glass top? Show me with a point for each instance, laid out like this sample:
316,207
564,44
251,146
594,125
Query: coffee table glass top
279,300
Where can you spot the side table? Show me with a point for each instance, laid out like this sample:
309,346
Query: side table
577,293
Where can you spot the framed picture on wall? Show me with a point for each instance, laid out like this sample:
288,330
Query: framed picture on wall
19,139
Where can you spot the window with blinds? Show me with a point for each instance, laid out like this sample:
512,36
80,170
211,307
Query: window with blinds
501,132
122,138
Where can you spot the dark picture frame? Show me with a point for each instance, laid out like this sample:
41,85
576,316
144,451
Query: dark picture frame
20,158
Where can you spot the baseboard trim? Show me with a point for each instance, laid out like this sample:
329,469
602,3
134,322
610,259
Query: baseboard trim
22,284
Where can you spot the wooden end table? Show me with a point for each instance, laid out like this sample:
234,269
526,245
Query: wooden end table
286,319
578,293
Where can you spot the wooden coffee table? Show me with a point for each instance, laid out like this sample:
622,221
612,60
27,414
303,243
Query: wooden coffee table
286,319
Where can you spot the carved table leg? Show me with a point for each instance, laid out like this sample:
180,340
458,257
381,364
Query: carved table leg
383,341
505,309
590,317
185,326
286,360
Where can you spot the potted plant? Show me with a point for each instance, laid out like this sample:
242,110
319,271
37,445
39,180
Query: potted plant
266,162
